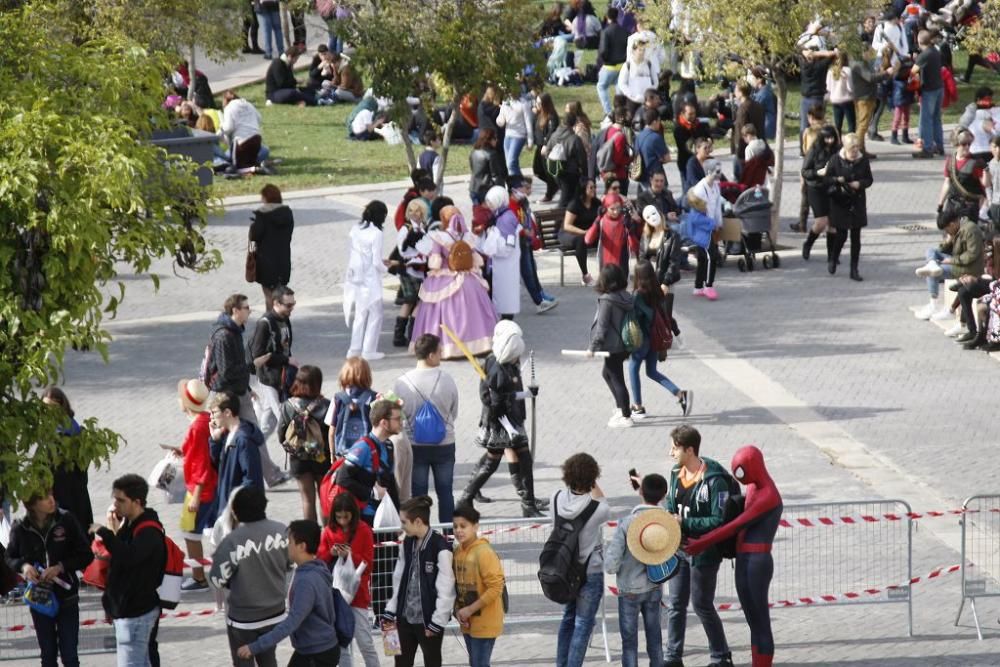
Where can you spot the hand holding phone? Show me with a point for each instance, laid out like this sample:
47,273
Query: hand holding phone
634,479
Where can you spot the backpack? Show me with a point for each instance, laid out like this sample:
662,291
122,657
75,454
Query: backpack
169,590
631,332
559,569
330,489
304,438
460,257
429,427
343,620
732,508
352,420
606,156
661,338
208,370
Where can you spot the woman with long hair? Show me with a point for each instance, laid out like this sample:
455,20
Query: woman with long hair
580,215
486,166
813,172
613,304
70,483
306,407
546,123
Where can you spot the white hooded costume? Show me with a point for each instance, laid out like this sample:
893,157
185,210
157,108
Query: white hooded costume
363,283
502,245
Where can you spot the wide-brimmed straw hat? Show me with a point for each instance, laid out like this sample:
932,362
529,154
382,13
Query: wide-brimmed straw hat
193,395
654,536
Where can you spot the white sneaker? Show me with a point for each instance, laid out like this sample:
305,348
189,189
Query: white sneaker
638,413
678,342
620,421
925,312
587,280
373,356
546,306
942,315
930,270
955,330
698,291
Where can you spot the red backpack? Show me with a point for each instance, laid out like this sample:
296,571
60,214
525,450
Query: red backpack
169,589
329,489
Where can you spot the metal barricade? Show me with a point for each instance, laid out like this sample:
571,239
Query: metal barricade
980,552
518,543
17,637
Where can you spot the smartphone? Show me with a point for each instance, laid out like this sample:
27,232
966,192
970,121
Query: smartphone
632,474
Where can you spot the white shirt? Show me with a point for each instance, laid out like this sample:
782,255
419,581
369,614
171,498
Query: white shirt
888,33
240,120
361,122
516,116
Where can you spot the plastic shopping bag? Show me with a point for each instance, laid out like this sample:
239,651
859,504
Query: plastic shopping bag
168,477
4,531
386,516
347,577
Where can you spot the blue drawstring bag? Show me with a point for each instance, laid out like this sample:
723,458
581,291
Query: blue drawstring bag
429,427
42,599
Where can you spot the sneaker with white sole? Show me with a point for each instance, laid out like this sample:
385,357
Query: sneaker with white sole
620,421
587,280
930,270
955,330
686,398
546,305
698,291
678,343
942,315
638,412
926,312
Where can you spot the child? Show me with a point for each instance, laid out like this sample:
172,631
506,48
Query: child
698,227
502,395
346,535
411,266
636,593
613,304
348,416
648,300
311,616
479,581
423,587
363,282
613,233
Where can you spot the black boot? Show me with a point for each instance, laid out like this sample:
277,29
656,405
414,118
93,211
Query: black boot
831,256
399,337
854,273
529,506
480,475
807,246
978,341
894,140
906,137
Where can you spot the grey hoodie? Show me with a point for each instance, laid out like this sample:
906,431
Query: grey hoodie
252,562
570,505
618,560
606,331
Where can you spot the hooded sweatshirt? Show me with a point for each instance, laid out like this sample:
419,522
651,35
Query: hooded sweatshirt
619,561
605,332
228,357
708,500
138,560
237,458
479,576
570,505
311,616
251,562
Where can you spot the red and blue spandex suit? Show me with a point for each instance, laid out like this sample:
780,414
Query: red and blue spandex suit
754,529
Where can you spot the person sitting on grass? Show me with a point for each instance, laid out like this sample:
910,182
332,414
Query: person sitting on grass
280,84
364,120
241,129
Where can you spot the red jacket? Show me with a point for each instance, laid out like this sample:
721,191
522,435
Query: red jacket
198,468
362,549
615,239
620,153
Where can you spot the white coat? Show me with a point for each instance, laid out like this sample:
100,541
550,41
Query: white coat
363,282
505,250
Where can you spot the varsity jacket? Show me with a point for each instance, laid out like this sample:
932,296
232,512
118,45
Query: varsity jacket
437,580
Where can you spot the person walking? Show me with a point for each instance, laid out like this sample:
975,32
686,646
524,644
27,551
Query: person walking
565,150
486,166
234,446
429,385
47,548
611,53
613,304
273,365
839,86
813,174
271,235
516,121
545,125
250,564
848,175
363,282
306,408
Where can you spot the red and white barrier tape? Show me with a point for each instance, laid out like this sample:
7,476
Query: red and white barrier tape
830,598
89,622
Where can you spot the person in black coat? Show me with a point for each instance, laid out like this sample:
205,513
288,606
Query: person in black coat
813,169
486,165
848,175
70,482
271,231
280,85
47,547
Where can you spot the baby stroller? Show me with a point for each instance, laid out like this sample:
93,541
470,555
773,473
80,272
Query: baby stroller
753,208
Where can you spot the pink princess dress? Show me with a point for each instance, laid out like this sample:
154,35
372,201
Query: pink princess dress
458,299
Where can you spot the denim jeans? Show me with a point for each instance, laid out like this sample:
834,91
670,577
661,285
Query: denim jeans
270,21
59,636
931,130
132,635
440,459
480,651
512,147
630,605
529,272
696,584
648,355
606,78
934,284
805,104
578,622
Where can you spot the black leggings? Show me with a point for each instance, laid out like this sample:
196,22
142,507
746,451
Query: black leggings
614,375
708,260
753,579
835,243
540,171
576,244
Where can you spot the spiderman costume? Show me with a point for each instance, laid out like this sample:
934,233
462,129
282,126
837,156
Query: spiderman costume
754,528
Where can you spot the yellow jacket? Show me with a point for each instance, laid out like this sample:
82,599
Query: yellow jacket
479,575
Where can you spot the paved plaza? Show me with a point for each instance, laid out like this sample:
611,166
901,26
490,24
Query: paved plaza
848,395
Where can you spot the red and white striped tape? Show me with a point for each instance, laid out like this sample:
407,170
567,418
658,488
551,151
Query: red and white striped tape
89,622
839,597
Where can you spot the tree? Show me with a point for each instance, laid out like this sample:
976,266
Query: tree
984,35
83,196
440,50
759,32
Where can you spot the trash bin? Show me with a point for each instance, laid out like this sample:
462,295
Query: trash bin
197,145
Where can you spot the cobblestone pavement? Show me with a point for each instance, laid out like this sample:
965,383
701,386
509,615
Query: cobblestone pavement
849,396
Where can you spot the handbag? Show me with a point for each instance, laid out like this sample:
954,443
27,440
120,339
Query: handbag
251,264
96,574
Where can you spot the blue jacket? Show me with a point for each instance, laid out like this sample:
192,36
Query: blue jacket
239,464
311,615
698,227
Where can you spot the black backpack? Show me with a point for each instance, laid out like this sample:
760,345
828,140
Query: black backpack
732,509
559,568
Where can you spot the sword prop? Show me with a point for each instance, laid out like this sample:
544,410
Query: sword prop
465,350
532,385
582,353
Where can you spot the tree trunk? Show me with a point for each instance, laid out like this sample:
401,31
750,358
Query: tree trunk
779,153
446,140
191,73
410,157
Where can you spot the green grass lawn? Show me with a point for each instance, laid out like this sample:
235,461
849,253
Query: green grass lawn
313,145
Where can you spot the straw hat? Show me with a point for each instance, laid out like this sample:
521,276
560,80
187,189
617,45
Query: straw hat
193,395
653,536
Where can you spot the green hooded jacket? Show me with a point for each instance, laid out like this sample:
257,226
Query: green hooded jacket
709,500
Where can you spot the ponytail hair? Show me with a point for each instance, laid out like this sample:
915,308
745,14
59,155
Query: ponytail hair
418,507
